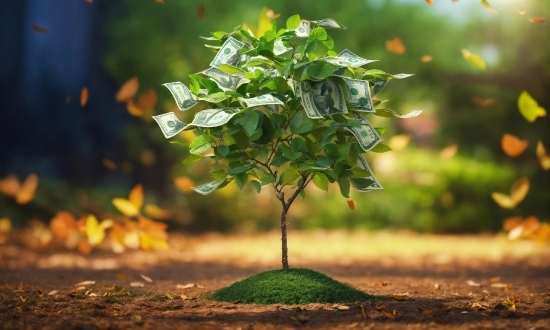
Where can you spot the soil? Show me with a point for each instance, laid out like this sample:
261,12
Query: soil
449,285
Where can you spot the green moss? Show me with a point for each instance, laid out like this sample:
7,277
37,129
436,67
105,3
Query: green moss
295,286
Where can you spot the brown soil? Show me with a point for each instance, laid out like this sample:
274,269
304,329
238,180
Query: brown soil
428,277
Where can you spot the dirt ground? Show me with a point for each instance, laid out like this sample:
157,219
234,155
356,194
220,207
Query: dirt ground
422,281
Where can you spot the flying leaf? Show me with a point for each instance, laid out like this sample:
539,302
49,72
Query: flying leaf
109,164
264,22
83,96
513,146
483,102
159,1
153,235
148,100
488,7
125,206
449,151
147,278
399,142
395,46
472,283
474,59
84,248
39,28
426,59
27,190
128,90
134,109
10,185
136,196
517,194
511,223
95,231
200,12
156,212
429,2
521,12
544,159
529,108
63,224
351,204
184,184
537,20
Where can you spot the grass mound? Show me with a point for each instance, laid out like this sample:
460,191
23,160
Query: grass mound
295,286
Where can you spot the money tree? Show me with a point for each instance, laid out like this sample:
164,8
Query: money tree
283,110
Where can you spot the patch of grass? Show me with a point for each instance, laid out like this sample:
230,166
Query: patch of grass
295,286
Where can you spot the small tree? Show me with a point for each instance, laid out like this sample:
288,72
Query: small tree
284,110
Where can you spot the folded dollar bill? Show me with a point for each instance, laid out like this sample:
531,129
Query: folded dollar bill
169,124
183,96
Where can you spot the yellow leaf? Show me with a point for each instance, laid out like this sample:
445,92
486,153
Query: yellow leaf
27,190
395,46
544,159
400,297
529,108
488,7
521,12
136,196
449,151
156,212
429,2
83,96
518,193
399,142
5,225
543,233
128,90
125,207
474,59
426,59
134,109
94,232
537,20
512,146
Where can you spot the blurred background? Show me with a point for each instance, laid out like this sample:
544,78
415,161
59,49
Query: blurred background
63,61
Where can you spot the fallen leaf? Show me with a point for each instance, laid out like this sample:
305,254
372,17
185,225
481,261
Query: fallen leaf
509,304
529,108
542,234
39,28
125,206
483,102
380,306
342,308
136,196
52,293
537,20
426,59
500,285
449,151
400,297
544,159
84,283
128,90
200,12
351,204
95,231
84,248
156,212
494,279
517,194
395,46
436,286
146,278
137,284
189,285
488,7
63,224
511,223
390,315
512,145
472,283
83,96
474,59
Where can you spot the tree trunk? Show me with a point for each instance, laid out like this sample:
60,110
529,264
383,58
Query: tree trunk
284,247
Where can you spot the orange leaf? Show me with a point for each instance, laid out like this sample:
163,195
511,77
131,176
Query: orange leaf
156,212
395,46
148,100
109,164
184,183
85,248
136,196
28,188
90,1
544,159
537,20
512,146
400,297
159,1
200,12
83,96
517,194
449,151
128,90
511,223
429,2
134,109
426,59
125,206
10,185
351,204
543,233
63,224
483,102
39,29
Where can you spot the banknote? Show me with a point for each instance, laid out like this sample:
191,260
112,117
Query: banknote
322,98
213,117
359,95
169,124
226,81
367,183
366,135
229,53
206,188
303,30
260,100
377,86
329,23
391,113
347,58
183,96
279,48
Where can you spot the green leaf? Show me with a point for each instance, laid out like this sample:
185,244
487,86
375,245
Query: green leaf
251,120
240,180
381,147
289,153
301,123
230,69
311,46
344,185
318,33
290,177
218,175
318,70
293,22
279,160
321,181
474,59
192,159
239,169
488,7
267,178
529,108
256,185
222,150
200,144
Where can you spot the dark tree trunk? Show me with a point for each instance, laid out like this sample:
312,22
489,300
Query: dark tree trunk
284,247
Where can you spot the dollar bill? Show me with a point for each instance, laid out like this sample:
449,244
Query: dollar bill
183,96
206,188
169,124
367,183
359,95
377,86
229,53
303,30
295,85
391,113
213,117
329,23
260,100
322,98
366,135
347,58
279,48
272,107
224,80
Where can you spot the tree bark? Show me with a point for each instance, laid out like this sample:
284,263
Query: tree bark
284,247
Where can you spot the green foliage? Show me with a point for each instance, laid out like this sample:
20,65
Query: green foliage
291,287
